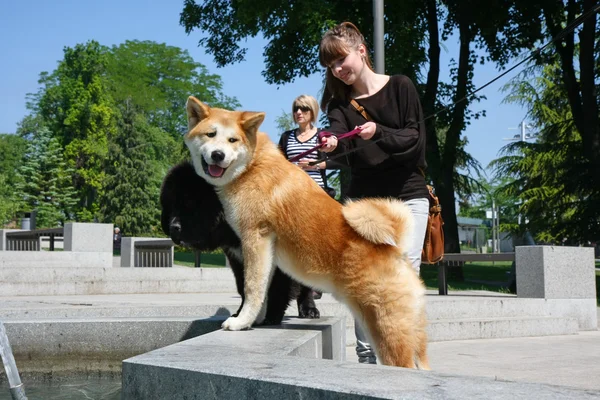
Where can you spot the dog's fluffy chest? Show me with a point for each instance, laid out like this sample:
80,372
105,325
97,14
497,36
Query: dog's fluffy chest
230,212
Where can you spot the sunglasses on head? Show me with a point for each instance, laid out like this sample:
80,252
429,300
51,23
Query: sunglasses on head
301,108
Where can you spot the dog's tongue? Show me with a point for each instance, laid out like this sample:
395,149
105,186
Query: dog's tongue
215,171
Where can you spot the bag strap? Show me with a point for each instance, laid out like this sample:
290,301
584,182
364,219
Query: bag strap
361,110
434,202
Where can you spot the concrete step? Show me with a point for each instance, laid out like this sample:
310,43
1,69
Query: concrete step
496,328
472,328
461,307
443,324
33,281
202,305
55,259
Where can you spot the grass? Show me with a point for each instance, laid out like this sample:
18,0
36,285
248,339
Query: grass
207,260
477,276
492,273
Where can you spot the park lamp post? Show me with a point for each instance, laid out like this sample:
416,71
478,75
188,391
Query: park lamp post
378,35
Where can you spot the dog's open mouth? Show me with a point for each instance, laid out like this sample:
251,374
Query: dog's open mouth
213,169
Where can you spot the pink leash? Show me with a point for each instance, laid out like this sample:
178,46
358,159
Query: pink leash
325,134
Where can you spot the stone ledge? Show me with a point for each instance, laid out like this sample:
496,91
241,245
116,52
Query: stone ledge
71,347
261,364
54,259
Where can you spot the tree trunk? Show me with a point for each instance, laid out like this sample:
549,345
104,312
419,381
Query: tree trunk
565,50
431,92
590,134
446,189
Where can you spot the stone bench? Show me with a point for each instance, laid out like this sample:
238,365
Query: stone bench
25,240
146,252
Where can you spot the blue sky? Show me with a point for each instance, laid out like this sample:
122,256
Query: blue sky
35,32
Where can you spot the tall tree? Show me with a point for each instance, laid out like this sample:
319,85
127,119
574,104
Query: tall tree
132,190
74,103
12,150
44,182
558,191
158,79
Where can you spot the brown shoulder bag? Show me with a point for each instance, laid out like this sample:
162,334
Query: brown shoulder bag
433,246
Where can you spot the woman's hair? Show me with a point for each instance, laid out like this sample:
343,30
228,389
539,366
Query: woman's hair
306,101
337,43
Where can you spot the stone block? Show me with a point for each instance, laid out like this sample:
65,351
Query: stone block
88,237
555,272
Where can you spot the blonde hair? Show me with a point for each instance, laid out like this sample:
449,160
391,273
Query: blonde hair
337,43
307,101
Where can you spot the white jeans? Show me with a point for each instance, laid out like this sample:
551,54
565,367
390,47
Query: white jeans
420,212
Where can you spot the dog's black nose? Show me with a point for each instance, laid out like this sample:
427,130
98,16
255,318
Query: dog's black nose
217,156
175,232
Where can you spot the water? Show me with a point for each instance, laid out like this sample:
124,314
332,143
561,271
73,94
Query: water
88,389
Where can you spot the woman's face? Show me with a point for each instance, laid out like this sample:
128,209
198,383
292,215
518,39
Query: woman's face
348,69
302,114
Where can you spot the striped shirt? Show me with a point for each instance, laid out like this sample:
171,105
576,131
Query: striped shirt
295,147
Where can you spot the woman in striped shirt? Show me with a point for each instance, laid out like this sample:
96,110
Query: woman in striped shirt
305,110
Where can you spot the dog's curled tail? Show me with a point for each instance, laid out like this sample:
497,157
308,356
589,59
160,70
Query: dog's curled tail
380,221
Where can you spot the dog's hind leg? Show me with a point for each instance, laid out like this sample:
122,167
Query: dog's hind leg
392,336
257,252
306,303
422,358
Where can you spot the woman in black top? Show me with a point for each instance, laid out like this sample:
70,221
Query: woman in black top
392,166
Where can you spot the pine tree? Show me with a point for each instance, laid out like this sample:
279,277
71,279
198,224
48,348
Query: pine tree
45,181
131,195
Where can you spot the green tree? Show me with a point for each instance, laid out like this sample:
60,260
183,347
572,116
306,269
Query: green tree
158,79
9,204
75,105
133,185
558,190
12,150
44,182
285,122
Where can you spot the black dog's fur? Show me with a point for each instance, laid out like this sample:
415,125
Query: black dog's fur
192,215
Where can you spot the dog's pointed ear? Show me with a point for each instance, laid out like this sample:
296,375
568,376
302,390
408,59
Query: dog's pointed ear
251,121
196,111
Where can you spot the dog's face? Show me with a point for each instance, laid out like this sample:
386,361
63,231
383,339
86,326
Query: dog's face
192,214
221,142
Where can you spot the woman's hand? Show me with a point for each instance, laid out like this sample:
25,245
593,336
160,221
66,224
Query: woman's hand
304,164
331,143
368,129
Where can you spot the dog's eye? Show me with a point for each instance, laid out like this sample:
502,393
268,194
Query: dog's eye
233,140
212,134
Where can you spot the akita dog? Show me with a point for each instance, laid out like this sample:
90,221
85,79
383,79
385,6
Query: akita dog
284,218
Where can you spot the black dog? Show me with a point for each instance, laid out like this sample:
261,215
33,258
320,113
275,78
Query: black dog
192,215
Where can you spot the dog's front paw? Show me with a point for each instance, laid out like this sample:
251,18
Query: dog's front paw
311,312
235,324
